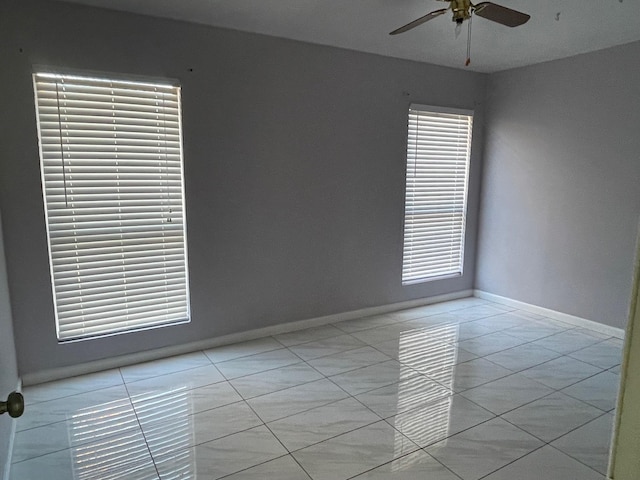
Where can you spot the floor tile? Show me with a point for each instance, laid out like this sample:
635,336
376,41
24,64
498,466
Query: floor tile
473,329
466,375
595,333
176,428
218,458
192,378
71,386
448,317
389,332
590,443
507,393
561,372
327,346
440,419
417,465
426,356
53,411
467,302
522,357
436,326
372,377
240,367
355,452
283,468
346,361
313,426
552,416
491,343
605,354
359,324
413,352
482,311
405,395
534,330
546,463
506,320
242,349
110,420
423,337
274,380
308,335
601,390
198,399
291,401
424,311
567,342
534,316
481,450
164,366
123,457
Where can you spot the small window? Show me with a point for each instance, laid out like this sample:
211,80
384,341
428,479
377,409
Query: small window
112,175
438,150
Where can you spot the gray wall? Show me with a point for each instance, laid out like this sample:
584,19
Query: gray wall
294,164
561,184
8,366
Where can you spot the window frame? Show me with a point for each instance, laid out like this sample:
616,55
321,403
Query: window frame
131,81
409,278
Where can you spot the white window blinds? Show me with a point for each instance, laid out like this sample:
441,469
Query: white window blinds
111,158
438,149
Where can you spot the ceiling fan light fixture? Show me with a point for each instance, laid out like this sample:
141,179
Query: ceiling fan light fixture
458,29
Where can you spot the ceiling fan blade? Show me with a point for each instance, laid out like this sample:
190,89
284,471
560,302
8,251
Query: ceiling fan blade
499,14
419,21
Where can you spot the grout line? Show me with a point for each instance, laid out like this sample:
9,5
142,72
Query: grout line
144,436
420,450
213,362
578,460
513,461
549,443
273,434
256,465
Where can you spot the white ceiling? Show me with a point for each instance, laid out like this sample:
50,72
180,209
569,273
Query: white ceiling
583,26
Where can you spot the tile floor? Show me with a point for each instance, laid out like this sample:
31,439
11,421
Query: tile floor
461,390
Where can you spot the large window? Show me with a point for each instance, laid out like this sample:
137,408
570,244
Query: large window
438,149
111,158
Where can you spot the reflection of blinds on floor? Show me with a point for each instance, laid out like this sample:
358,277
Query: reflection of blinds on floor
429,426
107,443
432,351
167,418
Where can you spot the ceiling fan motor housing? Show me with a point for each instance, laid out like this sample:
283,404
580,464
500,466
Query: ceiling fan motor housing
461,10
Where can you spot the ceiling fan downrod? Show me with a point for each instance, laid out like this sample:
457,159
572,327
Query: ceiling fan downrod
468,61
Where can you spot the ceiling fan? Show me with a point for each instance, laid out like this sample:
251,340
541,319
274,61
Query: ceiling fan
464,10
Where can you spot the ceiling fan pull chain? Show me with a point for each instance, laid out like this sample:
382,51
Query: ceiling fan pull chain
468,62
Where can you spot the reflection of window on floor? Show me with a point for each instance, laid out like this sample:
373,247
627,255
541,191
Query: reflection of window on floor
167,420
431,351
107,444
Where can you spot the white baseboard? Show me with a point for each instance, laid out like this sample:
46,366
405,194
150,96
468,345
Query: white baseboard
553,314
12,436
149,355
